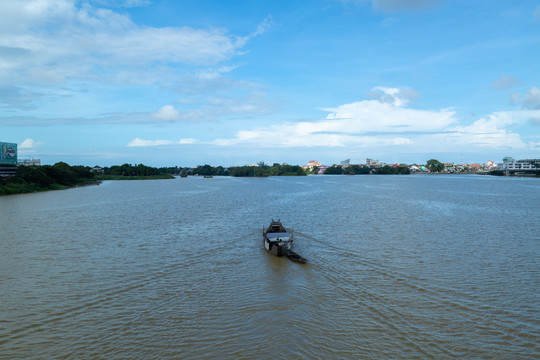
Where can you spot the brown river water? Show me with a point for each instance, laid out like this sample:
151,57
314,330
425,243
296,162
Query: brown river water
400,267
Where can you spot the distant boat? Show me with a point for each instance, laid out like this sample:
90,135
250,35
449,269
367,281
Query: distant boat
278,241
208,176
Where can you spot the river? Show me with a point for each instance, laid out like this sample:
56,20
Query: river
415,267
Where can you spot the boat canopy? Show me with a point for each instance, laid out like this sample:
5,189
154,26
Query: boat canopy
281,235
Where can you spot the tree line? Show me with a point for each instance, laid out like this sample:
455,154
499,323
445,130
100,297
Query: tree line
364,170
131,170
62,175
46,177
259,170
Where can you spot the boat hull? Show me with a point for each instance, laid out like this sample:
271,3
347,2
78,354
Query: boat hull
280,248
278,242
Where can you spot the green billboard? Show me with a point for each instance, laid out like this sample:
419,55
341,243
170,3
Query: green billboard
8,153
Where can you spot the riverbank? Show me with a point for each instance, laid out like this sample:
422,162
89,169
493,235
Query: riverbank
26,188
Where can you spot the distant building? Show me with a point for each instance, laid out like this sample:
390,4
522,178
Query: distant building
30,162
311,165
509,165
372,163
345,163
97,170
490,165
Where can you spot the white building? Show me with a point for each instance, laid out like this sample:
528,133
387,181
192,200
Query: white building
30,162
313,163
372,163
511,165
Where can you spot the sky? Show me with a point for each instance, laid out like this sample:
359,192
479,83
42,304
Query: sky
193,82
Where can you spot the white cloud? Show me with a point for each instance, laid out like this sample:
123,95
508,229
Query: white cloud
145,143
394,96
530,101
137,142
371,124
352,124
48,42
491,131
167,113
369,115
264,26
29,144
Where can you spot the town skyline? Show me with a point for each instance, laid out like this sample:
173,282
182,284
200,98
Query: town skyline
165,82
368,162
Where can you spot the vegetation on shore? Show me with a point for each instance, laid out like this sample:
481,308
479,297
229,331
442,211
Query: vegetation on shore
134,172
364,170
47,177
62,176
259,170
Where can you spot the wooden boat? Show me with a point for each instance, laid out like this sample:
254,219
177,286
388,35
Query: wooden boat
278,241
295,257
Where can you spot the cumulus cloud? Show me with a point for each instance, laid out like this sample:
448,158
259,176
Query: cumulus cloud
137,142
393,96
386,121
50,42
504,82
167,113
531,99
353,124
29,144
491,131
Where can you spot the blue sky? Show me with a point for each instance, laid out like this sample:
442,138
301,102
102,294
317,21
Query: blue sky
169,83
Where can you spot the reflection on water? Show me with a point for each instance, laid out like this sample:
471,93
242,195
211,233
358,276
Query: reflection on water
399,267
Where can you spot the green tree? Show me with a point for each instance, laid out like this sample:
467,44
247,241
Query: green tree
334,170
33,175
357,169
403,170
434,165
204,170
